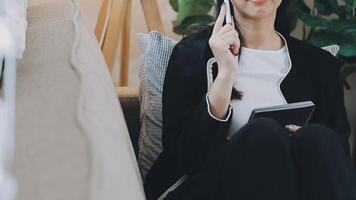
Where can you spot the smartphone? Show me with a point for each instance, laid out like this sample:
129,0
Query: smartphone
228,17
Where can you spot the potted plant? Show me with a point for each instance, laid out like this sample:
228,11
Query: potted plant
329,22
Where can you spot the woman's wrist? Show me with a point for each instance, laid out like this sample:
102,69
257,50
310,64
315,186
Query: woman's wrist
227,75
218,105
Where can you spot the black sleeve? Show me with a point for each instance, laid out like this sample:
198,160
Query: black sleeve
190,132
330,110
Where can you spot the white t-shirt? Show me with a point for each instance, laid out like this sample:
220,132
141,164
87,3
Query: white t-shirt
259,77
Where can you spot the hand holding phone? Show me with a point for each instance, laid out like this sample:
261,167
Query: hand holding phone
224,42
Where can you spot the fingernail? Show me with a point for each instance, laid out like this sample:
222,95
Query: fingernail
236,51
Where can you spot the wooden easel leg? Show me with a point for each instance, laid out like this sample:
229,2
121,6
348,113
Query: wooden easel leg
99,29
125,47
115,26
151,12
119,28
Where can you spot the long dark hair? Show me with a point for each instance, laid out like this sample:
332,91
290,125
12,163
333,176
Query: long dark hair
282,25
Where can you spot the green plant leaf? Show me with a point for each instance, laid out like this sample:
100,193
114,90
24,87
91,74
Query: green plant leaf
350,9
341,12
314,21
296,6
293,20
347,27
185,26
322,38
187,8
340,25
324,7
348,50
299,5
174,4
347,70
326,37
333,3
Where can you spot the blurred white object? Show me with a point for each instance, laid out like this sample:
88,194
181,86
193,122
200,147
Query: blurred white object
21,26
333,49
13,26
4,37
7,187
13,14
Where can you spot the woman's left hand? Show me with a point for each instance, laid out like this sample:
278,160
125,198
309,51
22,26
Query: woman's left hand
292,128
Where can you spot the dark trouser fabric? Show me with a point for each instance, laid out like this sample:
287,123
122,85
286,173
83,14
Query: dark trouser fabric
262,161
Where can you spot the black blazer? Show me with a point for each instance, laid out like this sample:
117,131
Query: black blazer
191,135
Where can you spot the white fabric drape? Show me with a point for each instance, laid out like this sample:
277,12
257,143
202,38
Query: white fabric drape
13,26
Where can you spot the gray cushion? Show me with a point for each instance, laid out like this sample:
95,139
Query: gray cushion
156,50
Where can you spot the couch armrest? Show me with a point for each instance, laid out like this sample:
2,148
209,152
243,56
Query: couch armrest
127,92
128,97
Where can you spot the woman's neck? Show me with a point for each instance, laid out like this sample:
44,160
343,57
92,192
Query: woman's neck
259,34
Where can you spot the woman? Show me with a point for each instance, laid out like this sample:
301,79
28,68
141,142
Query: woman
262,160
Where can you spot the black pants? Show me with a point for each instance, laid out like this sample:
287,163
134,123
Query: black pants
263,162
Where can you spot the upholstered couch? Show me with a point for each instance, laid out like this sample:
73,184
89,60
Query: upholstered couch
130,104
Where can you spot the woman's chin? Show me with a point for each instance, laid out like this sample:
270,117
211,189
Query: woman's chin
257,2
258,8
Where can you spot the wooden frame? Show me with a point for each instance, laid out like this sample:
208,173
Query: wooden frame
114,27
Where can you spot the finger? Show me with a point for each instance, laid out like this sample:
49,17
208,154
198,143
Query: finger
235,46
235,50
237,35
230,43
220,20
292,128
225,29
227,35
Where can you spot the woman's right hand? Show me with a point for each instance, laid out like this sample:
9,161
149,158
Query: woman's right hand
225,44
